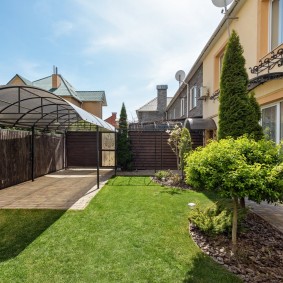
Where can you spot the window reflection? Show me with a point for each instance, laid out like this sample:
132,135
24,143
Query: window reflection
269,122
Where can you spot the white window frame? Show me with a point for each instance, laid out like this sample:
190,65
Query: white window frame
193,97
182,112
278,120
280,23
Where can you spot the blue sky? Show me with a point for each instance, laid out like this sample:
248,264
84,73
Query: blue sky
123,47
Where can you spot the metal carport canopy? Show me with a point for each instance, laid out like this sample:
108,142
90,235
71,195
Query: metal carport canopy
29,107
32,107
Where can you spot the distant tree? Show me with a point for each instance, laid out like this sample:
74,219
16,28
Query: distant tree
239,113
124,153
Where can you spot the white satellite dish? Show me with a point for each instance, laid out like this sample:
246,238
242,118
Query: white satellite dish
180,76
221,3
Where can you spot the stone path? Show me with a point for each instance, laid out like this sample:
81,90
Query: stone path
270,212
65,189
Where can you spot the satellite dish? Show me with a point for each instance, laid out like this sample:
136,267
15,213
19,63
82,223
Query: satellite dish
221,3
180,76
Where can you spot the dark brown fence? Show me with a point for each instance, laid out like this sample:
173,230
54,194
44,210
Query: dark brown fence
81,149
151,151
15,156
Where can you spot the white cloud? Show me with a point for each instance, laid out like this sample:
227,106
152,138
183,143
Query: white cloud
157,37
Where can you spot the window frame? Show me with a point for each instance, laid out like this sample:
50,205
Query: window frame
182,112
278,128
280,23
193,97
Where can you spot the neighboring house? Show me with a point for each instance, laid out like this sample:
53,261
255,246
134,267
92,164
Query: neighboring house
259,26
112,120
186,102
91,101
155,110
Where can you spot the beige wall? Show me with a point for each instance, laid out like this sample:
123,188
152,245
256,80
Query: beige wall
270,92
246,27
16,81
72,100
252,27
93,107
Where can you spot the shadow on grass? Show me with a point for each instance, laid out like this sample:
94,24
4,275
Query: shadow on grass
19,228
205,270
171,191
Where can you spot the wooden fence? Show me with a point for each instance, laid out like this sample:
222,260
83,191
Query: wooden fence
151,150
15,156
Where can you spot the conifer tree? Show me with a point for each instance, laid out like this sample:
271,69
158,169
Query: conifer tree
239,113
124,154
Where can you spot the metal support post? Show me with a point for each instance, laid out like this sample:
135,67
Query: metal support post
97,154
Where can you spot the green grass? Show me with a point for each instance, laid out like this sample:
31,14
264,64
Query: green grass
132,231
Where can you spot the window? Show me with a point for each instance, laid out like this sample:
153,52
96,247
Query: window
272,121
276,21
221,57
193,97
182,106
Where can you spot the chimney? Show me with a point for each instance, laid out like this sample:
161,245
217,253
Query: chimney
56,80
161,97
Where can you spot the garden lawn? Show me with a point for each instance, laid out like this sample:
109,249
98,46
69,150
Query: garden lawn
132,231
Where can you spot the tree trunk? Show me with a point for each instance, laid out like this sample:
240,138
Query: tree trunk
242,203
235,223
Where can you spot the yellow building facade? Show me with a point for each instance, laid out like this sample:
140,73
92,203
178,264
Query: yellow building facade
259,24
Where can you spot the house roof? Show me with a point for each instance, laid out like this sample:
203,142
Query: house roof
93,96
65,88
152,105
25,81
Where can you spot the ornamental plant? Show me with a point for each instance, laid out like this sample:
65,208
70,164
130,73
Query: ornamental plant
236,168
180,143
124,153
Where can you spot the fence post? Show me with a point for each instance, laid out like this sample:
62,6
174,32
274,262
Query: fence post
97,153
32,153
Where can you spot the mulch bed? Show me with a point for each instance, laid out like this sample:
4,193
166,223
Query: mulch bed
259,257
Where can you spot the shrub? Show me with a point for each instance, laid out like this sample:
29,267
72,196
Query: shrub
215,219
237,169
163,174
175,179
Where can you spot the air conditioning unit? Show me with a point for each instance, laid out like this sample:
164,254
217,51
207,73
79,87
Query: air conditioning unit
204,93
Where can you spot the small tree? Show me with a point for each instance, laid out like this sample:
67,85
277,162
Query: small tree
180,143
184,146
238,168
124,153
174,140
